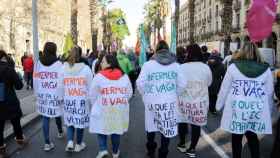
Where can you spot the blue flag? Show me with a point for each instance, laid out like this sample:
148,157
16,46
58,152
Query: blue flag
173,44
142,58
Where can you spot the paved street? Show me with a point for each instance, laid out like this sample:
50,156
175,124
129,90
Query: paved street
133,143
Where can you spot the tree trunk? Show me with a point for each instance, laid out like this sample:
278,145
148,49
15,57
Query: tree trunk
12,34
74,21
158,35
93,23
35,30
164,30
227,25
177,16
191,22
155,36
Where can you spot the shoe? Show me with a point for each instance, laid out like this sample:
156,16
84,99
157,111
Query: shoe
80,147
116,155
60,135
21,142
48,147
3,151
102,154
215,113
182,148
191,153
70,146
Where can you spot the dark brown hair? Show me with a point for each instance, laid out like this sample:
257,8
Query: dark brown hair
74,56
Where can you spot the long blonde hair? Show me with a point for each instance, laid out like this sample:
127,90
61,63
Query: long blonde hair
74,56
250,51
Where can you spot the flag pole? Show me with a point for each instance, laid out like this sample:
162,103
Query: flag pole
35,30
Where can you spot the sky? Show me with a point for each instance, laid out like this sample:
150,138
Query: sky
134,10
134,13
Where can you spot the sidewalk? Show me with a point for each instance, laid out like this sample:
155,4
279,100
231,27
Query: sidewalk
27,101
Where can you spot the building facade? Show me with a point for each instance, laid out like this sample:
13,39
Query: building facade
208,23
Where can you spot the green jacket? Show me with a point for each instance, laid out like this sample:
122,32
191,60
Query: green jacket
124,63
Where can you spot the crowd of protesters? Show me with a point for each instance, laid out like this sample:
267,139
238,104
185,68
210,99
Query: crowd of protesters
94,92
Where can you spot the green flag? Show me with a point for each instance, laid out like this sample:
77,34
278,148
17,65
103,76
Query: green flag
173,44
142,58
68,45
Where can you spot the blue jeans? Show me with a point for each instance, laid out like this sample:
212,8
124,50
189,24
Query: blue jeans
115,138
79,134
46,127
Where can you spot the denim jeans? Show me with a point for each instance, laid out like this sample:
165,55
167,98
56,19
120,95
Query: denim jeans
79,134
115,138
46,127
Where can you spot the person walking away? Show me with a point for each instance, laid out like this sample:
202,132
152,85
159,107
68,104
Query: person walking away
110,93
95,66
124,62
77,80
48,88
205,53
276,145
229,59
157,83
218,72
28,70
247,97
92,57
181,55
9,102
133,75
194,79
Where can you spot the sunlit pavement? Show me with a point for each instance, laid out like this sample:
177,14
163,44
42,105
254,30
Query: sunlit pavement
133,142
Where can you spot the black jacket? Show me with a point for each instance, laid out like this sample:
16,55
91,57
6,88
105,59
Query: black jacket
218,73
10,105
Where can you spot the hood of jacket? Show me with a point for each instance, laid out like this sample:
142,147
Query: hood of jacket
48,60
164,57
251,69
112,74
75,69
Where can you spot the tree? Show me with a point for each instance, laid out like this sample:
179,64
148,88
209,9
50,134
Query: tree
74,21
119,28
191,22
227,24
154,17
93,7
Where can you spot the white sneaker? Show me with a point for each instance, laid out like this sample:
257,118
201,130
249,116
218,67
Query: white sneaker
70,146
102,154
80,147
60,135
48,147
116,155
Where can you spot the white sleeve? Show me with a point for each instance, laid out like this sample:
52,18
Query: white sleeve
140,82
224,90
210,76
270,89
129,87
94,90
181,81
89,77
